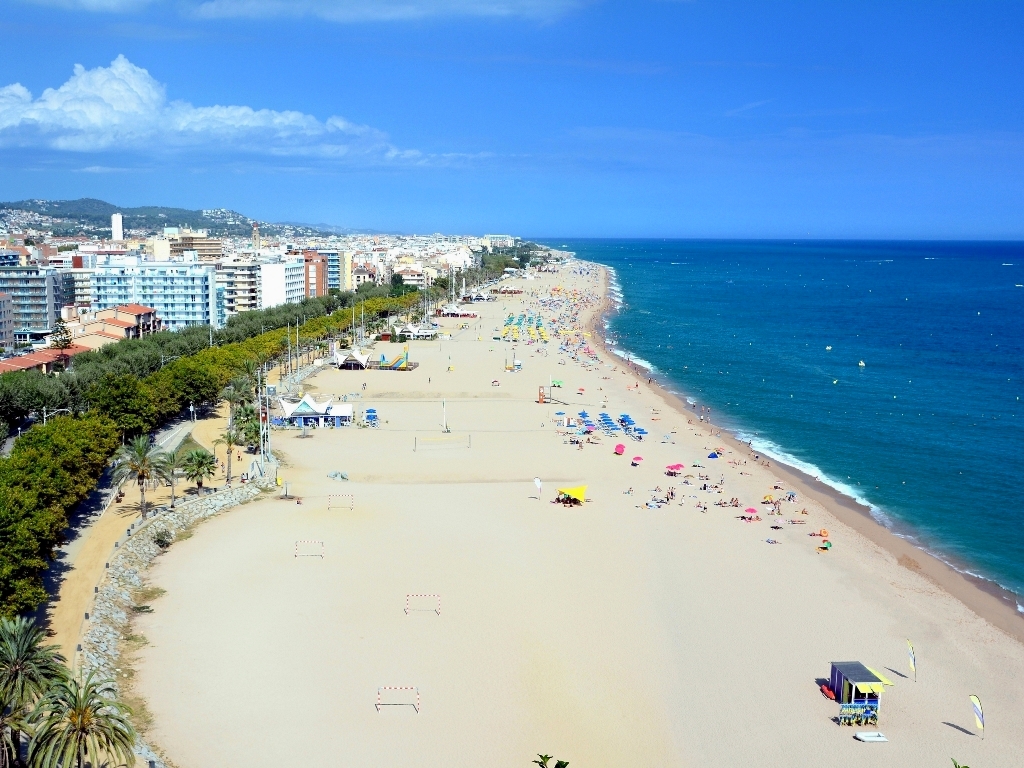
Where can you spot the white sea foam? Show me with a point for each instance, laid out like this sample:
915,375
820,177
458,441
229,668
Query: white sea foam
628,356
774,451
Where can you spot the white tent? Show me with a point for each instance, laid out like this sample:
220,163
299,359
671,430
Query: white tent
351,358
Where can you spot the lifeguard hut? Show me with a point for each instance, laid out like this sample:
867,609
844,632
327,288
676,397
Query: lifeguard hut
858,691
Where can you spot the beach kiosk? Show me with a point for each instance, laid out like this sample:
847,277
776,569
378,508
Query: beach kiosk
858,692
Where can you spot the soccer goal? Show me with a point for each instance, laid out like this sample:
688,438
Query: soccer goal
309,548
441,442
423,603
341,501
398,696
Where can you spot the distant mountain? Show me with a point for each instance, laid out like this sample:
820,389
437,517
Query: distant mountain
92,217
332,229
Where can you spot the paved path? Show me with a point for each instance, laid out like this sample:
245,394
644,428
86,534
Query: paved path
80,563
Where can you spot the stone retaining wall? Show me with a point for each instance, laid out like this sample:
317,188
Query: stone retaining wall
111,613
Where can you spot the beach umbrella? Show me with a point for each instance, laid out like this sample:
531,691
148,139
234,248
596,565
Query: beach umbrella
712,455
750,511
620,449
559,413
578,492
689,476
638,458
768,497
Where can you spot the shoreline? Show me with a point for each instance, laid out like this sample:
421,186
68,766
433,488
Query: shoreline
984,597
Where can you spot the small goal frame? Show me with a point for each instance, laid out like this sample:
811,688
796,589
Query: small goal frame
341,501
409,608
381,703
313,542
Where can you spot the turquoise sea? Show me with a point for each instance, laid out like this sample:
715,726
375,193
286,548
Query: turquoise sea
928,432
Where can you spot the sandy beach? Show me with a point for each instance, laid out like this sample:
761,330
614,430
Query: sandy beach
622,631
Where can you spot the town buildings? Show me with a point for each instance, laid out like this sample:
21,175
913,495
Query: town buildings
6,321
282,282
36,298
240,282
183,293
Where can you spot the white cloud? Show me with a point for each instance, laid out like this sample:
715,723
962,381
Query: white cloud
122,107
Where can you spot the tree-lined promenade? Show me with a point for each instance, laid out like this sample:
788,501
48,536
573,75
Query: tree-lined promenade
123,391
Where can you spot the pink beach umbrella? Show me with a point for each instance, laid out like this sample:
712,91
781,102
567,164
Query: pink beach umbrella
750,511
620,449
637,460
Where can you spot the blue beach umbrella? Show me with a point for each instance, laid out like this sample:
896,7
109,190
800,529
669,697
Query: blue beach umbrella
712,455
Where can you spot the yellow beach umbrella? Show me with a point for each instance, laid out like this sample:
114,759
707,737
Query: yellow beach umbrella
579,493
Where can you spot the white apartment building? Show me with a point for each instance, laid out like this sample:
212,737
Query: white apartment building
182,293
116,227
282,282
241,285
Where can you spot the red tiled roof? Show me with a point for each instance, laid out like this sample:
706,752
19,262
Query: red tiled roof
112,321
137,309
42,357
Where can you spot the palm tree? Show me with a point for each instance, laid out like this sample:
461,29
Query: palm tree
198,465
79,722
247,422
12,724
230,438
236,394
27,669
175,461
141,462
249,372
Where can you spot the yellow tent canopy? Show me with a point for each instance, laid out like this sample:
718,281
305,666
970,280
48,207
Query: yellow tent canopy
579,493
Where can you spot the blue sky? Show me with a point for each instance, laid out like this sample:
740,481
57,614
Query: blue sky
650,118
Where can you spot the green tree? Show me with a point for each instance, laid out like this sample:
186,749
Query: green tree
247,423
80,722
121,397
231,438
60,338
233,397
198,465
174,461
27,669
141,462
12,724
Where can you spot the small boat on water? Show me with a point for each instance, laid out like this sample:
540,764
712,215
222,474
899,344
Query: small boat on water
861,364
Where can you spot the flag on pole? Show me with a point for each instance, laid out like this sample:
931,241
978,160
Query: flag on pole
979,714
913,659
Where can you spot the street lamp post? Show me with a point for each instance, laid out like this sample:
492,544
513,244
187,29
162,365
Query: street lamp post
54,413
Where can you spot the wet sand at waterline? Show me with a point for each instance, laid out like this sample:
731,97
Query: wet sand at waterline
606,635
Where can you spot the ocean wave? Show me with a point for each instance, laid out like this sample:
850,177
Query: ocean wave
631,358
775,451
